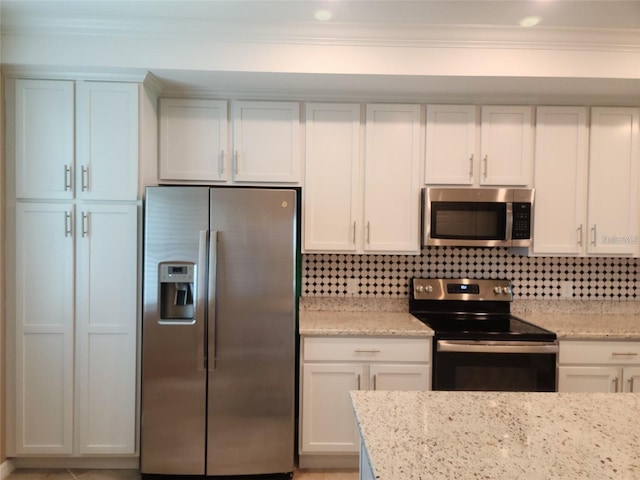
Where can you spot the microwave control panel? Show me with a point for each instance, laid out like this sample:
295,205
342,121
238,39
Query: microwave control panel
521,221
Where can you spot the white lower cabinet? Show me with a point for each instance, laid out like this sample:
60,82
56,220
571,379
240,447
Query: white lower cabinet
599,366
331,367
75,328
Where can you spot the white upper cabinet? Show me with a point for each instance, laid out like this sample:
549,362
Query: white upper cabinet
332,177
101,118
506,146
392,179
561,164
499,152
107,141
451,157
614,153
586,181
44,139
194,140
266,142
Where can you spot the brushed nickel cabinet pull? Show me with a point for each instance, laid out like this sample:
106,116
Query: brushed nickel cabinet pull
630,385
85,224
358,381
367,350
235,162
368,233
68,227
471,166
594,234
67,178
221,163
375,382
616,381
580,235
486,161
84,171
625,354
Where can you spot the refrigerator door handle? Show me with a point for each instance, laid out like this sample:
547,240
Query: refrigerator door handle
213,266
201,282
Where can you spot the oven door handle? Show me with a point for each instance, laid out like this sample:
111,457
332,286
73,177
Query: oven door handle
481,346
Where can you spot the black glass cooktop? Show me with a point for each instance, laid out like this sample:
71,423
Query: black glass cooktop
480,326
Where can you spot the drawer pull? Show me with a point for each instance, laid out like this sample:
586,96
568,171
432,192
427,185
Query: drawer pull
367,350
630,381
625,354
615,384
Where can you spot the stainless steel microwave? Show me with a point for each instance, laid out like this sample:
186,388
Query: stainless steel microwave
477,217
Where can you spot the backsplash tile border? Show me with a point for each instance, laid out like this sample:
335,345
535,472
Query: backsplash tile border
534,278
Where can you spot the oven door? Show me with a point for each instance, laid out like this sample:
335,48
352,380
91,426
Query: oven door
495,365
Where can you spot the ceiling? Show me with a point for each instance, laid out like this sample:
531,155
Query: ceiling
395,22
602,14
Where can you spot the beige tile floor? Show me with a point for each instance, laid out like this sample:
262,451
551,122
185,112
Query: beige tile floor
87,474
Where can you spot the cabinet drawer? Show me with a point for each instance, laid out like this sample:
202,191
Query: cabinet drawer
366,349
584,352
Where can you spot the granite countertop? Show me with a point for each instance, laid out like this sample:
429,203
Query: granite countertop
581,326
499,435
361,323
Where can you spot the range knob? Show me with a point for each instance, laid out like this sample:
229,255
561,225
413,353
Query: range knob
506,290
428,289
497,290
419,288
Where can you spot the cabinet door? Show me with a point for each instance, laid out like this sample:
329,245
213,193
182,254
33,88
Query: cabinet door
44,328
391,179
631,379
44,140
560,180
328,421
399,377
193,139
107,141
506,146
451,144
613,181
589,379
266,142
106,328
332,177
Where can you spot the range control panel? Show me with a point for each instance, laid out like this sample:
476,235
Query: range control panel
462,289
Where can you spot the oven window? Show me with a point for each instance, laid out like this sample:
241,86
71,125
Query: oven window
521,372
468,220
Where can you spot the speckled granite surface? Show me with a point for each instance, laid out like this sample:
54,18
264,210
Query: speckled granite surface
501,436
361,323
585,320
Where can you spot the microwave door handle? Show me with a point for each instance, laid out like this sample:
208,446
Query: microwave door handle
509,226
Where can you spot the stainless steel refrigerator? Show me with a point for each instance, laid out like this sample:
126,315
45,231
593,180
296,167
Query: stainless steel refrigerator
218,332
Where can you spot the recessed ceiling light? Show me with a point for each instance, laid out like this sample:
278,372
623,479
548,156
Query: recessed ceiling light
530,21
322,15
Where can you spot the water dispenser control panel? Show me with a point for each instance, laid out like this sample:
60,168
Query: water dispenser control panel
177,292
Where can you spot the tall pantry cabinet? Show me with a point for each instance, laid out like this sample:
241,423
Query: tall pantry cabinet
72,266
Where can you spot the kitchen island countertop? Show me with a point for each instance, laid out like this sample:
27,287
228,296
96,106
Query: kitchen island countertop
499,435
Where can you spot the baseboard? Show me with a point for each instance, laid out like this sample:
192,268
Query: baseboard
113,463
346,461
6,468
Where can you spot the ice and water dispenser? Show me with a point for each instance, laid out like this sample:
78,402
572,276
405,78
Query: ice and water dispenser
177,292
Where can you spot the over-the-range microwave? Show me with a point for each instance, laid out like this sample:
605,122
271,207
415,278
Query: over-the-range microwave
477,217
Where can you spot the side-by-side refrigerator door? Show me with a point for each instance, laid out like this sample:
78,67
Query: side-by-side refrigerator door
173,392
251,332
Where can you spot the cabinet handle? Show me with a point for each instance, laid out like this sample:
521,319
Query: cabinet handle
630,381
368,233
235,162
68,230
221,163
486,161
625,354
580,235
85,224
375,382
67,178
615,384
594,234
358,381
84,171
367,350
471,166
353,236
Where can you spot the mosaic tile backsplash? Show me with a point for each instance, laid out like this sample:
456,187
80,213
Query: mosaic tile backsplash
534,278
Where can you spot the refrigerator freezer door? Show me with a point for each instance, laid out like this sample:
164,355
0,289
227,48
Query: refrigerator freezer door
173,365
252,333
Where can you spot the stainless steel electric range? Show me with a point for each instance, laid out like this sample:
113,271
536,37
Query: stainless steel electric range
478,344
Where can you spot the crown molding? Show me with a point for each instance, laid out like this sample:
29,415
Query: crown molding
74,73
314,33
